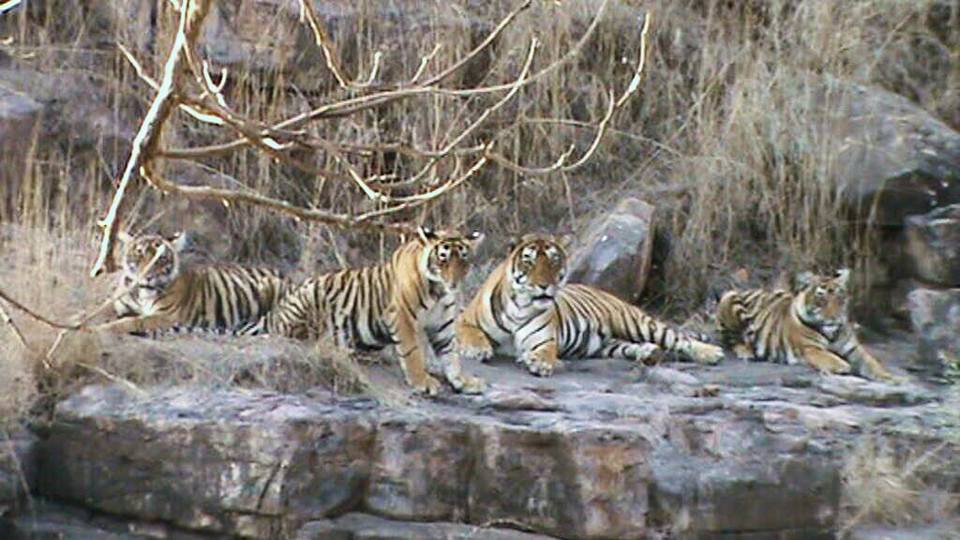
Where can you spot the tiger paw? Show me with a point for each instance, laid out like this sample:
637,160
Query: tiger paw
539,366
476,353
472,385
743,352
429,386
705,353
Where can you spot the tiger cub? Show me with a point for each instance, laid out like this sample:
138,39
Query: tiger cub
410,301
164,293
525,309
809,325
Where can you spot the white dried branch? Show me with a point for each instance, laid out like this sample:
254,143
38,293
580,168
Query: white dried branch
145,143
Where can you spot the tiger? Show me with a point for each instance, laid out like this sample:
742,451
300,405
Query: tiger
160,292
525,309
807,325
410,301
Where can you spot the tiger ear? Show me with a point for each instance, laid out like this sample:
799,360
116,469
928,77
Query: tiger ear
565,241
426,234
180,241
475,238
805,279
842,277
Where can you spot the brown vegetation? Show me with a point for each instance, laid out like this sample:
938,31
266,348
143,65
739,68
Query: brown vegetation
718,136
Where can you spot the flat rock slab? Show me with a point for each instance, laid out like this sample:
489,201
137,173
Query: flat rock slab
604,449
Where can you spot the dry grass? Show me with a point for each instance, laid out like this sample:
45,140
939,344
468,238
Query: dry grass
898,488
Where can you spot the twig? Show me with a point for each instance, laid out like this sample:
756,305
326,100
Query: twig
35,315
16,331
152,83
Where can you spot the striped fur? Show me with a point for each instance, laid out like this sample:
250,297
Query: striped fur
164,294
809,326
409,301
525,310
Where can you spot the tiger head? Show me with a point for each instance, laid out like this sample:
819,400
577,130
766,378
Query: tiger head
152,261
445,257
821,301
537,268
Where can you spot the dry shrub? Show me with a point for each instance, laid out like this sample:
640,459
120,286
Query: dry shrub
884,486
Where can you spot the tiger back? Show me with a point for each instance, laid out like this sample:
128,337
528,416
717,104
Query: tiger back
409,301
162,293
525,309
810,325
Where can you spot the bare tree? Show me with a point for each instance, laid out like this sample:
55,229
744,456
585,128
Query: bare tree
187,85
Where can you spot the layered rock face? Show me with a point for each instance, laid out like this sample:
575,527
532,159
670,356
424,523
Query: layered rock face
602,450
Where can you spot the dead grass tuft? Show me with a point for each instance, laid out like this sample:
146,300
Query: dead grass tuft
885,486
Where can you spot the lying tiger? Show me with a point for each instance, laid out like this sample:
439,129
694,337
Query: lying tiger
165,293
809,326
525,309
410,301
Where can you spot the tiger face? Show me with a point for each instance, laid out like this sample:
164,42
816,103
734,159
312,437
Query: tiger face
445,258
138,253
822,301
538,268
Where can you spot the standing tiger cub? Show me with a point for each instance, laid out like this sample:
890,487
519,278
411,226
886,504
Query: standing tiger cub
809,325
525,309
163,292
409,301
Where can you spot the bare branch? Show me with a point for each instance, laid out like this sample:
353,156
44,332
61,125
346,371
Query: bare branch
604,124
347,107
147,138
284,207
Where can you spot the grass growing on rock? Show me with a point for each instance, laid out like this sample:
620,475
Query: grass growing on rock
898,488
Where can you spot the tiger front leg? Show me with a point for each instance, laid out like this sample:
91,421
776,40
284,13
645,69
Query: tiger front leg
538,349
410,347
825,361
446,351
472,342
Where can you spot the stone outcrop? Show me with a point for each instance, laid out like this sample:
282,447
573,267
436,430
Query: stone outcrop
894,158
614,251
933,245
935,317
604,449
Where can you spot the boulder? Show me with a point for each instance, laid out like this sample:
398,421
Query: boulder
935,317
599,450
933,245
614,251
894,159
74,109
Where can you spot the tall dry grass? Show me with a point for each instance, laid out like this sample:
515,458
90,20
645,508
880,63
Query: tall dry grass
723,136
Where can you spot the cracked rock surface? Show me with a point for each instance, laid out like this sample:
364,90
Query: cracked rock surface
603,449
